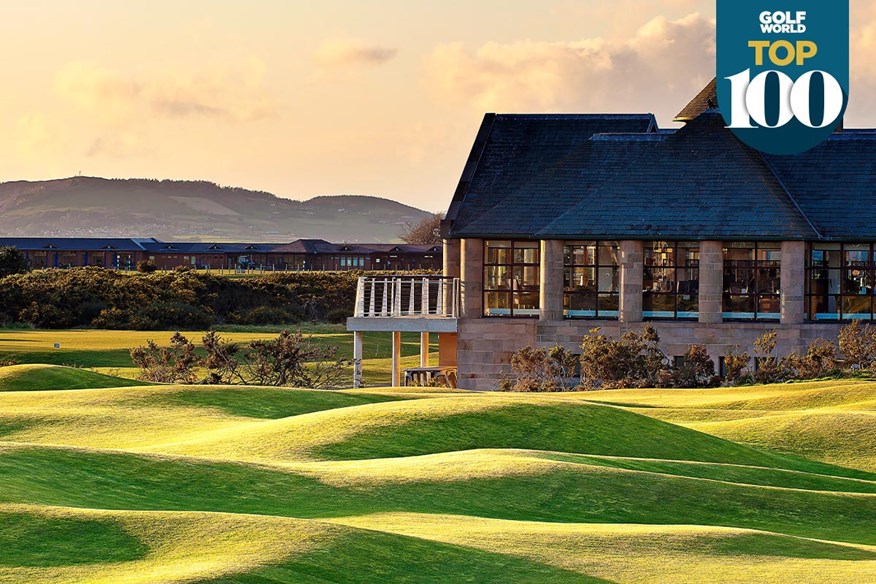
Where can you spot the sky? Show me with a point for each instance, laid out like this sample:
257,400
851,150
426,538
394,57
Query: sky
305,98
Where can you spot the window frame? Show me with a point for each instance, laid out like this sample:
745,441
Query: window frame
756,297
676,269
844,267
568,270
512,265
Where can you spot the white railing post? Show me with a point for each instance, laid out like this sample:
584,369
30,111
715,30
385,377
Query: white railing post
425,307
439,301
411,299
373,296
360,298
397,293
384,306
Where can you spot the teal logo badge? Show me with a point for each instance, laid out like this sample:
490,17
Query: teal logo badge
783,71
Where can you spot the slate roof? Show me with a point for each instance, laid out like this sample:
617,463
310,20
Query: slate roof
301,246
594,177
74,243
705,100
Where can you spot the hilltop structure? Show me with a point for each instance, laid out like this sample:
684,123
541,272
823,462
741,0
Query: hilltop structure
564,223
300,255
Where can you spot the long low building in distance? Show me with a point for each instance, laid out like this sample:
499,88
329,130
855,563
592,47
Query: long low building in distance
300,255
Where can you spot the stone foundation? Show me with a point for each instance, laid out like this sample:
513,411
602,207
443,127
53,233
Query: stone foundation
486,344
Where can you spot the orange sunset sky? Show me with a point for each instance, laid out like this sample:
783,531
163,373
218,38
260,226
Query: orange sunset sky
303,98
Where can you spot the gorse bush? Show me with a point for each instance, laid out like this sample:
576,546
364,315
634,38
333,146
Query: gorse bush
184,300
541,370
290,360
635,360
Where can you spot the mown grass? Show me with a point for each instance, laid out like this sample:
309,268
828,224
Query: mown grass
109,351
238,484
48,377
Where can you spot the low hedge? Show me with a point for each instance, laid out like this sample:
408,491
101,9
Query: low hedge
101,298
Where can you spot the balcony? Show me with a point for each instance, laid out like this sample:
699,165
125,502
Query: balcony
406,303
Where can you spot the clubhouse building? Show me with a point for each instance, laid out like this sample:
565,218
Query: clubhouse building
564,223
300,255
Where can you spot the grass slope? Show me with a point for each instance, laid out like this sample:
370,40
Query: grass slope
49,377
231,484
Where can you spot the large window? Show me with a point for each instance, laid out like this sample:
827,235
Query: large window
671,280
752,281
591,281
511,278
840,281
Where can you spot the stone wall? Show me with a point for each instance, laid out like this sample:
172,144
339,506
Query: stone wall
486,344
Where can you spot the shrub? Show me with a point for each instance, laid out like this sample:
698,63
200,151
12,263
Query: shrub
858,346
290,360
338,315
176,363
735,365
107,298
265,315
147,267
634,360
541,370
696,370
819,361
12,261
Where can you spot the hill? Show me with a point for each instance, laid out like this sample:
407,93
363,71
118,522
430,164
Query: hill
237,484
175,210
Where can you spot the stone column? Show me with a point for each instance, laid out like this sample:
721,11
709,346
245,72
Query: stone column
472,276
793,282
451,258
632,257
396,359
551,278
358,336
711,282
424,349
451,270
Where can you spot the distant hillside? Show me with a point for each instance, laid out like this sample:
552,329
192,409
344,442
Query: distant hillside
85,206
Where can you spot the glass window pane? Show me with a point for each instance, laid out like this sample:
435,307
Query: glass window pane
609,279
609,253
497,304
526,252
498,278
526,277
581,279
857,281
608,304
579,305
498,252
658,305
688,306
857,307
736,306
526,303
824,307
769,305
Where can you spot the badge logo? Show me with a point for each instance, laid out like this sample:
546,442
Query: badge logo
783,71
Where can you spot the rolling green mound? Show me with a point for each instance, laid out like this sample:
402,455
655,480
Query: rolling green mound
54,377
237,484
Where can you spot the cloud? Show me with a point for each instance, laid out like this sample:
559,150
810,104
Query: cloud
669,60
235,94
351,52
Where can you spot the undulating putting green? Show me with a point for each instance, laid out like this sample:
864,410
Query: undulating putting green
107,480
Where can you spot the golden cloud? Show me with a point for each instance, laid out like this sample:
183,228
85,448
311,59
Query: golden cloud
235,94
346,52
